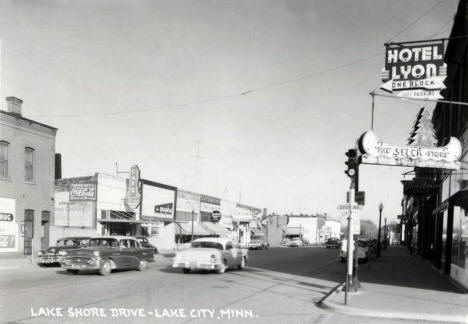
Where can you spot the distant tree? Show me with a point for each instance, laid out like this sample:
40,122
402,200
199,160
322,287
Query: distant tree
368,228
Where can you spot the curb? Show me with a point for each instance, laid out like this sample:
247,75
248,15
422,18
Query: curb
347,310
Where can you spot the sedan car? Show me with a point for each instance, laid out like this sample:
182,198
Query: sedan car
54,254
103,254
146,244
296,242
216,254
333,243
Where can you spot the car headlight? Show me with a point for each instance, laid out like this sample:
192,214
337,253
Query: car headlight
62,253
96,253
213,258
39,254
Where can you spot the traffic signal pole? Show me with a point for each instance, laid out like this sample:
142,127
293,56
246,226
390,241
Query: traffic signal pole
353,174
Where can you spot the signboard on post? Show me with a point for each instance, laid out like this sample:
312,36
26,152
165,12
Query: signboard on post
133,198
414,71
377,152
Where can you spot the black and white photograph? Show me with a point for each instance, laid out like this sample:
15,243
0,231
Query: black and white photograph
233,161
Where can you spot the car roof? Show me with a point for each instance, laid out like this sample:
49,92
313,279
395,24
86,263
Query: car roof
117,237
75,238
221,240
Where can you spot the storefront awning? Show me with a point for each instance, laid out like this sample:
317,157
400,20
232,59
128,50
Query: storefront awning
186,229
155,219
215,228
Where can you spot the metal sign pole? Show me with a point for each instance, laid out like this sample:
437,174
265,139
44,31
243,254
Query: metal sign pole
349,272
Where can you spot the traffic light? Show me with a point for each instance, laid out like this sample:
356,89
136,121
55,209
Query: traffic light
352,164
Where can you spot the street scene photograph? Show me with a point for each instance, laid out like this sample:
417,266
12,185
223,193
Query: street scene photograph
234,161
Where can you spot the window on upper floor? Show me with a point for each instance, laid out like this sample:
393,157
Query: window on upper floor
29,164
4,159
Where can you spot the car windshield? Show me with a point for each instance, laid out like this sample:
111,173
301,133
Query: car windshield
107,242
68,242
143,240
210,245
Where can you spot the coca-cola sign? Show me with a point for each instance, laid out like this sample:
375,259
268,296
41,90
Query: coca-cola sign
82,191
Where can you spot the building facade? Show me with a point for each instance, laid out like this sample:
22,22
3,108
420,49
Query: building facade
169,217
435,204
27,171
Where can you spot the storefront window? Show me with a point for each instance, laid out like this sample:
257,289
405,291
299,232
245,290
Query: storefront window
444,237
463,240
457,213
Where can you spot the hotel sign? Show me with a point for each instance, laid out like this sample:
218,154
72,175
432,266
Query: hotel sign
377,152
133,198
414,71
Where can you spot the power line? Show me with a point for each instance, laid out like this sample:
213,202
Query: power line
218,98
416,20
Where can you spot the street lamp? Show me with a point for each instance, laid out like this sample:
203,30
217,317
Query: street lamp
380,224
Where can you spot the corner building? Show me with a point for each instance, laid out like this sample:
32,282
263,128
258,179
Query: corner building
27,172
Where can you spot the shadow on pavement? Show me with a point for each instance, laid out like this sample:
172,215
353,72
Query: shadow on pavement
395,267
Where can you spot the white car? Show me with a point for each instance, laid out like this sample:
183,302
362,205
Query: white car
295,242
211,253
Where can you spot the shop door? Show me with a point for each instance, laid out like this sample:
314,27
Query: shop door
45,230
28,231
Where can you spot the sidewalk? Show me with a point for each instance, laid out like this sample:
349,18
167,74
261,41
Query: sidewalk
16,261
402,286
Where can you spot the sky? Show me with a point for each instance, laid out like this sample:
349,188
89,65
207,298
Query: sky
252,101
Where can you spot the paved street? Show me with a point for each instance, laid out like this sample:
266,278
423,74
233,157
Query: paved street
280,285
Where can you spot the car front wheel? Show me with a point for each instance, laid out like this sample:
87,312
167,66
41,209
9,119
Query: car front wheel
142,265
223,267
105,268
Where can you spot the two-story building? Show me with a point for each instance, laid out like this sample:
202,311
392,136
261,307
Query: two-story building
27,168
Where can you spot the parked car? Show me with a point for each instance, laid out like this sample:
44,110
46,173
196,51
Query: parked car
295,242
333,243
106,253
258,243
362,250
211,253
54,254
146,244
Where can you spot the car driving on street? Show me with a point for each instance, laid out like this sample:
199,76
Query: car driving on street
213,253
333,243
103,254
54,254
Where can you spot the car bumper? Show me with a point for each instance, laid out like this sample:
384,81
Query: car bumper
196,266
88,265
255,246
49,259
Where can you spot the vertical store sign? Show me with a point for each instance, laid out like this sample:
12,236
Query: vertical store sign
133,198
8,226
414,71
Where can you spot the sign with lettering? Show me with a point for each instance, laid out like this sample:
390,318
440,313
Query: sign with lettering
215,216
377,152
8,226
82,191
164,208
414,71
6,217
133,198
